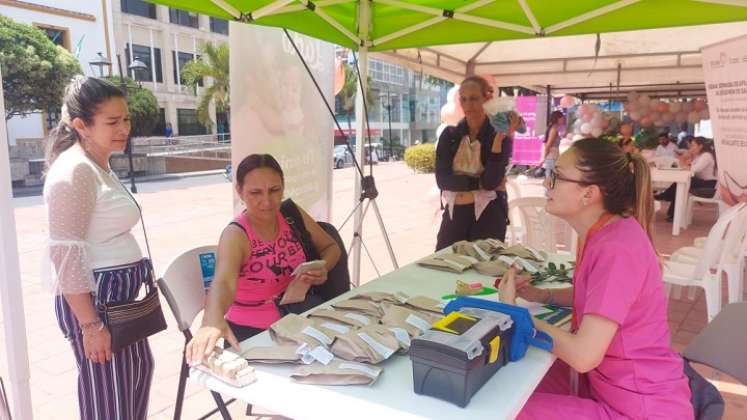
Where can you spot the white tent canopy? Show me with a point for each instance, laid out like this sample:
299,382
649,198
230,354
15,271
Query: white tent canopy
631,60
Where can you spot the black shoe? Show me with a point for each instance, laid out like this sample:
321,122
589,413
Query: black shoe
670,219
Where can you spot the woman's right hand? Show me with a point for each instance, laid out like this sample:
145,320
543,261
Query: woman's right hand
204,340
526,291
97,345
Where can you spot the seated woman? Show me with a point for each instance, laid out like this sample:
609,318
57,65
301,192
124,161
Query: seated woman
619,342
701,160
257,254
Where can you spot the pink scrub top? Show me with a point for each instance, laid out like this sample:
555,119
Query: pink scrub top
619,278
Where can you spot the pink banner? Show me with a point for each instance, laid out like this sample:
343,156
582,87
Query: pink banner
527,146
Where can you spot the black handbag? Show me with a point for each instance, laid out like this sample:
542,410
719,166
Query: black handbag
130,322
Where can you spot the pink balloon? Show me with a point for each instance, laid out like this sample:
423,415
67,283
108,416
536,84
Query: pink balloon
635,116
646,121
667,117
675,107
699,105
586,117
662,107
626,107
567,101
605,123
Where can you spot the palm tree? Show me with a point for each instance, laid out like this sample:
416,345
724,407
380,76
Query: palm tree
350,90
213,63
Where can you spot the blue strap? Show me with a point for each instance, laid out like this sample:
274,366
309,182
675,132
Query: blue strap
540,339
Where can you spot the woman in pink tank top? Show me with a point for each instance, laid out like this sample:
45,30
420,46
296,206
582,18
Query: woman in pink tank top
257,254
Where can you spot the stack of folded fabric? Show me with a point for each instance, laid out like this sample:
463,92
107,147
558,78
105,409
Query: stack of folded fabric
229,367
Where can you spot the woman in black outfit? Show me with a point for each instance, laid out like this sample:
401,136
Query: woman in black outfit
471,161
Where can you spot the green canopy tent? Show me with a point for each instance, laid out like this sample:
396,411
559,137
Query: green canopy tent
387,25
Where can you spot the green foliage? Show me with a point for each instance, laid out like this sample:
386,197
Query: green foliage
35,71
143,107
421,158
647,138
213,63
350,89
554,273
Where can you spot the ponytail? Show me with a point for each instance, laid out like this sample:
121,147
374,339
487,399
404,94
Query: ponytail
624,179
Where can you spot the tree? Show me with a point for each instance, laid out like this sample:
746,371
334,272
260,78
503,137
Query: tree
143,106
350,90
212,63
35,70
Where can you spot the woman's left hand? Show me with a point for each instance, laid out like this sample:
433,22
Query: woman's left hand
514,122
507,288
314,277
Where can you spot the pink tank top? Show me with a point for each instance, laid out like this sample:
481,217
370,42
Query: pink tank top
264,275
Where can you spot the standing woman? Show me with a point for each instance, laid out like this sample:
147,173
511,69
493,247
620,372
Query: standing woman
95,258
471,162
551,148
619,341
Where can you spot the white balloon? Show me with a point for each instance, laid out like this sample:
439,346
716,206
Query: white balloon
451,97
596,121
586,128
596,131
577,137
440,130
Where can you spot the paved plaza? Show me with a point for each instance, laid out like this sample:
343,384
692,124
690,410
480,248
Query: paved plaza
186,212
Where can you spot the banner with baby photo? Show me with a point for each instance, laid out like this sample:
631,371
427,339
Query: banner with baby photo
725,71
276,109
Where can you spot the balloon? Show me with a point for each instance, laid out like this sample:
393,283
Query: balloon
699,105
586,117
577,137
643,100
693,117
584,109
654,104
635,115
659,123
586,128
687,106
596,131
705,115
451,97
681,117
339,76
605,123
567,101
662,107
632,96
646,121
667,117
450,114
440,130
654,116
675,107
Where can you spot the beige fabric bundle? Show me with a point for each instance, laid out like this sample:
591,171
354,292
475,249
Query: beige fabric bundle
471,249
337,372
495,268
366,307
424,303
330,327
229,367
449,262
286,353
491,246
411,320
294,329
346,317
371,344
524,252
381,297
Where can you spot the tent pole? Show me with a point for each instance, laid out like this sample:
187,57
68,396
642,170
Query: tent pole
364,19
10,289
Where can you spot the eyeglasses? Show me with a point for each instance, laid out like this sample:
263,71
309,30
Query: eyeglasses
554,177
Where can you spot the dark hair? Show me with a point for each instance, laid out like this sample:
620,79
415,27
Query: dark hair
83,95
625,142
554,118
624,179
257,161
707,146
485,87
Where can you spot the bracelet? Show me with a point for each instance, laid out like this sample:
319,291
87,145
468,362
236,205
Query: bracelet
88,325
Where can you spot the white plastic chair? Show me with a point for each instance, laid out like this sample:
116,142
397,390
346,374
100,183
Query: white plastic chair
182,286
539,227
692,199
728,230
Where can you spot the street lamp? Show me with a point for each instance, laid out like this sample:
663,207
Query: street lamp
137,65
389,113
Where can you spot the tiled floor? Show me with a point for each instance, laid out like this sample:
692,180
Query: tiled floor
183,217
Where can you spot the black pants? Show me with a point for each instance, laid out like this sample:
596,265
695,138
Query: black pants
670,193
242,332
463,226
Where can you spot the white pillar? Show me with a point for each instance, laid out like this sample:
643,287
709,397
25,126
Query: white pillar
10,287
176,64
153,60
132,57
364,18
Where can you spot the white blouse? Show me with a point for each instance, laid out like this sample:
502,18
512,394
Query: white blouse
703,167
90,220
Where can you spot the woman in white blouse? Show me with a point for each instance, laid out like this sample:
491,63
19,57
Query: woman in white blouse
94,257
701,160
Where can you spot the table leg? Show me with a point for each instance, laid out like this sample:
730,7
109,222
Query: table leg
680,204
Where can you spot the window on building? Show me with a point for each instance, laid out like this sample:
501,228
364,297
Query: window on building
187,123
143,54
160,128
182,61
183,17
219,26
139,7
58,36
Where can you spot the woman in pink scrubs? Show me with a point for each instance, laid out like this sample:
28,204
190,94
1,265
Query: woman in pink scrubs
619,342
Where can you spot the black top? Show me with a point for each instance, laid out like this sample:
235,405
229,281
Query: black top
495,163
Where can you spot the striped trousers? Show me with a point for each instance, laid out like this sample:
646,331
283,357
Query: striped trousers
118,389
